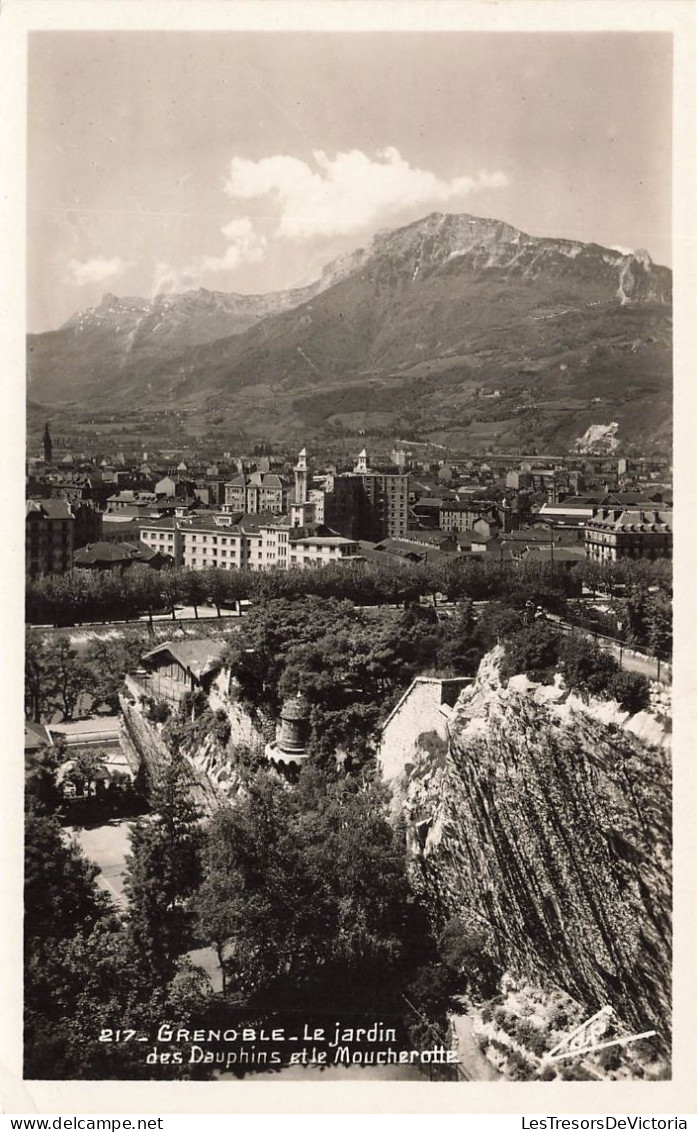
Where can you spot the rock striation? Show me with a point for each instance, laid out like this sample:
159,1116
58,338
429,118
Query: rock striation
550,820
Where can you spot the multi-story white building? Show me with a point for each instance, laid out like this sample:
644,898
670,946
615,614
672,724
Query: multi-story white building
254,543
616,533
198,543
321,550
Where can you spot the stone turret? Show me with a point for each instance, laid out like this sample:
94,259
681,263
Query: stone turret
290,746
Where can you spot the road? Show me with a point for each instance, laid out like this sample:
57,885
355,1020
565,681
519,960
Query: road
630,659
475,1066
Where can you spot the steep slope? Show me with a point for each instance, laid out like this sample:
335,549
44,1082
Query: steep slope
432,297
550,821
416,327
124,336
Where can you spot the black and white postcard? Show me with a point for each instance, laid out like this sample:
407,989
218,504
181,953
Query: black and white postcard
342,370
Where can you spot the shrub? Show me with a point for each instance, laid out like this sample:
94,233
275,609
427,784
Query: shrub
560,1019
589,670
193,704
523,1031
157,711
585,667
519,1067
538,1043
220,727
530,1036
631,690
533,650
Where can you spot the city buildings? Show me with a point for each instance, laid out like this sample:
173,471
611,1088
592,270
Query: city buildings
253,542
118,556
368,503
279,512
255,493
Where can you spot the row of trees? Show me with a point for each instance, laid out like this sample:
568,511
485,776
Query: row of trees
637,596
641,589
349,663
85,596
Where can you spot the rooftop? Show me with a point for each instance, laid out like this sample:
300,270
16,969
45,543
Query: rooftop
198,657
107,552
48,508
633,519
323,540
103,728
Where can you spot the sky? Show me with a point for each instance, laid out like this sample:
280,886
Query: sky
245,161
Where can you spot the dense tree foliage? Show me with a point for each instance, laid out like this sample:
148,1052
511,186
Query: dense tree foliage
42,795
82,595
86,971
58,883
163,872
533,649
539,651
640,590
306,890
58,679
350,664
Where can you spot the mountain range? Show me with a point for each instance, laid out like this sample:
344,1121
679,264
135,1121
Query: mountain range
454,328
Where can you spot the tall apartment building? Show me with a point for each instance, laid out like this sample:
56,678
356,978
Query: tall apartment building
368,503
49,533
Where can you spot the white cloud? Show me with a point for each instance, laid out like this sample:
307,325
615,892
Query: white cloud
169,280
245,245
345,193
82,272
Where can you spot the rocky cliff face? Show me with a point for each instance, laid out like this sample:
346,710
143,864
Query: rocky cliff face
146,749
478,244
213,771
550,819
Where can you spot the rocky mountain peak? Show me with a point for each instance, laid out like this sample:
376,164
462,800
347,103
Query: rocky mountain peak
467,302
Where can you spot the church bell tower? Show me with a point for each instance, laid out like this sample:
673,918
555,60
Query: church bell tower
48,446
301,478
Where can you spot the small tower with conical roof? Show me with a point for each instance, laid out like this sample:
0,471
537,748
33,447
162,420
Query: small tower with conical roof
48,446
361,467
